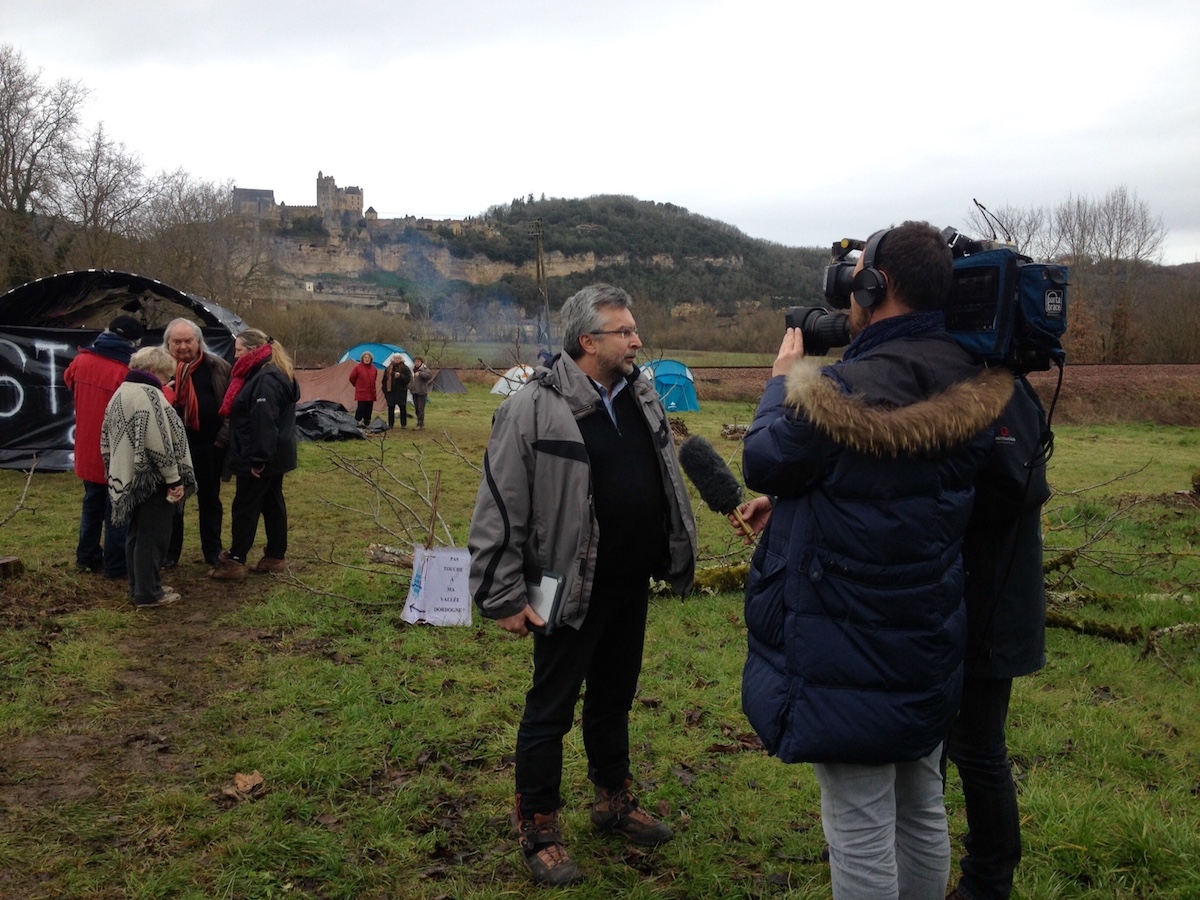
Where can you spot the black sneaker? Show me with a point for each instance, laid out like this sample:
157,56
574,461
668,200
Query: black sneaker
543,849
619,811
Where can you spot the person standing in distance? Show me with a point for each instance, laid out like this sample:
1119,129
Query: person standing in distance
396,378
581,480
201,379
854,604
1006,637
365,379
93,377
419,386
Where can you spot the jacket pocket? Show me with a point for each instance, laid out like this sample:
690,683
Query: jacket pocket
765,597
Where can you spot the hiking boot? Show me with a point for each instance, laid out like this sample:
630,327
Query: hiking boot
620,811
543,849
269,564
166,599
228,569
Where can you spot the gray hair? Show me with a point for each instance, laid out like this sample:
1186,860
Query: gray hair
156,361
190,324
581,313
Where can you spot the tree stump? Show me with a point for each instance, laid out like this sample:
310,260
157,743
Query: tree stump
11,566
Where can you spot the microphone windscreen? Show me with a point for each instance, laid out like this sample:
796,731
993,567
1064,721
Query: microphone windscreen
717,485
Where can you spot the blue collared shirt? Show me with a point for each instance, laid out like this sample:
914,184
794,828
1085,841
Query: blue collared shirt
609,398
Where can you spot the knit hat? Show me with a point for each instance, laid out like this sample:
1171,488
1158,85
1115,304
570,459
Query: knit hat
127,327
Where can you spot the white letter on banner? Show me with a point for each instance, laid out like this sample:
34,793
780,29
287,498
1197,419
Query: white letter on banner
18,389
52,380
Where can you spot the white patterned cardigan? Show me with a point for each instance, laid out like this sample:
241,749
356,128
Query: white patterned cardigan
145,448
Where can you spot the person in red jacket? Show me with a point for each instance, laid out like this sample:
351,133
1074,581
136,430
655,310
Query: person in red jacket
365,379
93,377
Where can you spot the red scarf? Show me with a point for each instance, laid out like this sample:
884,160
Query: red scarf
241,370
185,395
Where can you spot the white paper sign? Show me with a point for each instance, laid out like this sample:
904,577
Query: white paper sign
439,593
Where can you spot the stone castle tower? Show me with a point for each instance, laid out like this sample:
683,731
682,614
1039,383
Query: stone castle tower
335,203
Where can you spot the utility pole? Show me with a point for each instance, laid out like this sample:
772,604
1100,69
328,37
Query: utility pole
543,335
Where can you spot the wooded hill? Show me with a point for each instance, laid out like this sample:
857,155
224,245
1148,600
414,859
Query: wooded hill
659,252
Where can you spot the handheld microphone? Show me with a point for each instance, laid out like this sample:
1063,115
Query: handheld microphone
718,487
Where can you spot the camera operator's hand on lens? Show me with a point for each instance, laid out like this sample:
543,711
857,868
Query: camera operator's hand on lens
790,352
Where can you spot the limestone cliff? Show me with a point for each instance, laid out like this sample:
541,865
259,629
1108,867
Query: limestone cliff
359,257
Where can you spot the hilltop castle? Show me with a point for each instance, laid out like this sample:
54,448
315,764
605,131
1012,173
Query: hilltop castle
337,208
335,205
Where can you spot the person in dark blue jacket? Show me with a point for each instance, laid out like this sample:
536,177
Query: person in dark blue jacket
261,406
854,606
1006,637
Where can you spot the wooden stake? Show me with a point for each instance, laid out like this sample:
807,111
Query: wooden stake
437,491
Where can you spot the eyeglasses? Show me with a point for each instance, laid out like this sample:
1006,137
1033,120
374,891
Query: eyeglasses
625,333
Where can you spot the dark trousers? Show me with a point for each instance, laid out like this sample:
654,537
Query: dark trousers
400,399
208,461
419,408
146,544
979,749
95,522
362,413
606,653
259,497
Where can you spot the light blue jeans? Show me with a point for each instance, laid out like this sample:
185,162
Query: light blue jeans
886,829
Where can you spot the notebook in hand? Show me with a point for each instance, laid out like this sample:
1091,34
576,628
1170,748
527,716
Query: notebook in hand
544,594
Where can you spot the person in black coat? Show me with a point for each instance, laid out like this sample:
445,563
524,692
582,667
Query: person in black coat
1006,628
261,406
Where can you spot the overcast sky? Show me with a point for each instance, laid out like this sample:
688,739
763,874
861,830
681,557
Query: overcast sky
796,121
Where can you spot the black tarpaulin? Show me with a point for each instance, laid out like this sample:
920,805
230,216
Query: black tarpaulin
42,326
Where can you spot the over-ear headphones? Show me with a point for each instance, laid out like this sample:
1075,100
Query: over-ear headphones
869,284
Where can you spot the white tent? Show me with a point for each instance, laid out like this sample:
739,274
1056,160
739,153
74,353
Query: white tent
512,380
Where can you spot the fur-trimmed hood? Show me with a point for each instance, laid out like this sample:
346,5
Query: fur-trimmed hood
944,419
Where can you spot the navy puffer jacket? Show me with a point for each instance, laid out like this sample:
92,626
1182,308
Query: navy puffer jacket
854,606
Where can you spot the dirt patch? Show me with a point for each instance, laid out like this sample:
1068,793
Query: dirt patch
175,660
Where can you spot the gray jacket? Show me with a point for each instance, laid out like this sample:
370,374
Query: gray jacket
534,510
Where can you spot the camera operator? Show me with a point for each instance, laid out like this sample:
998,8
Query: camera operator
854,606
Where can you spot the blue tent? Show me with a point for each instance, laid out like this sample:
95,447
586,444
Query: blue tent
674,383
380,353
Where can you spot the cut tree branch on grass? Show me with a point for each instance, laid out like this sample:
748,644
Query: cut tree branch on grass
405,510
20,504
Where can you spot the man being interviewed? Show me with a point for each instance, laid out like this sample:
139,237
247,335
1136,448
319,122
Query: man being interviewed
854,606
581,480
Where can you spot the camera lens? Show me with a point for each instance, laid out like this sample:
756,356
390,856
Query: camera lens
821,328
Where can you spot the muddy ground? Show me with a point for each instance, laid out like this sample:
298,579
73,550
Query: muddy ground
180,654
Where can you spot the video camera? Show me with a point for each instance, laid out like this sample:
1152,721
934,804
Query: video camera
1004,308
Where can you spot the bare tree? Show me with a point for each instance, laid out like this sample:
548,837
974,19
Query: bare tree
37,128
1125,230
192,240
1029,227
104,192
1109,244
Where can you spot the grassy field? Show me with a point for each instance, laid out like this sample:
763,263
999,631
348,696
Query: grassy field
293,737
